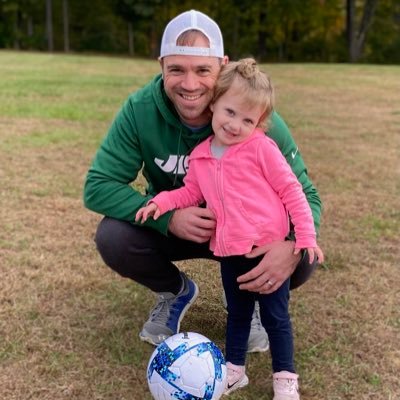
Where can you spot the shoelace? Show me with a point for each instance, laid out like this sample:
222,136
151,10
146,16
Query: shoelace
160,311
288,385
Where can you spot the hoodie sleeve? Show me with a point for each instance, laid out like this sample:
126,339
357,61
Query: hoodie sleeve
108,186
280,134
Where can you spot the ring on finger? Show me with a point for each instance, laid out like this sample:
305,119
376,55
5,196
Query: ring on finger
270,283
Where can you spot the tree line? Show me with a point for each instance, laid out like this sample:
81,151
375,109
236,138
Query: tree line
270,30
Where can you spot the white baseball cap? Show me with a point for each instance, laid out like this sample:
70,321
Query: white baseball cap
192,20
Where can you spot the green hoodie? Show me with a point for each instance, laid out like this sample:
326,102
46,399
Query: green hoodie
147,133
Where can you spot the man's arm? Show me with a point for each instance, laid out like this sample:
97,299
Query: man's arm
116,165
280,134
108,189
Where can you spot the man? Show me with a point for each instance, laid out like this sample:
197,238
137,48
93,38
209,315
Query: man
156,129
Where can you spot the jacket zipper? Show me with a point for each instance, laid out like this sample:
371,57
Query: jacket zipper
218,184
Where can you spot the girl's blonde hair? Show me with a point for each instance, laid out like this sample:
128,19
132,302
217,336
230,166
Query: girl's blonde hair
255,86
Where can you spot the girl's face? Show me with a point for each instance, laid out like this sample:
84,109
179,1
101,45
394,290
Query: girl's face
233,119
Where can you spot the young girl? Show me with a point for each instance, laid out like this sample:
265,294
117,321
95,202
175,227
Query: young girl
245,180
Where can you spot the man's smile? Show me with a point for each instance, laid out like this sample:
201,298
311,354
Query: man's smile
190,98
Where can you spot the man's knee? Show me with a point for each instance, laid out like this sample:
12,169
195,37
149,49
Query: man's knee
107,233
112,238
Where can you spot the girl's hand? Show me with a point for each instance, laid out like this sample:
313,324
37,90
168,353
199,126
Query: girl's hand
313,252
145,212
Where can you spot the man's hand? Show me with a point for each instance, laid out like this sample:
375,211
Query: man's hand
277,265
193,223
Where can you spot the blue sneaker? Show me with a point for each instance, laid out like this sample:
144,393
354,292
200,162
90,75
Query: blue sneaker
166,316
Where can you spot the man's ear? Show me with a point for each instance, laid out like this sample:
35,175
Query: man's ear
225,60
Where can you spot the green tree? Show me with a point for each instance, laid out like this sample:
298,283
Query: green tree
141,18
383,42
270,30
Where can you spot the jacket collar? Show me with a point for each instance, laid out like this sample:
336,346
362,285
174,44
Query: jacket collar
203,150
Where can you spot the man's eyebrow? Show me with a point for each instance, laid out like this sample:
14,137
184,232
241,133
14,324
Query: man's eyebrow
204,66
174,66
179,66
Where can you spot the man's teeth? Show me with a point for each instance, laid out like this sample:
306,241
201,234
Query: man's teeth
186,97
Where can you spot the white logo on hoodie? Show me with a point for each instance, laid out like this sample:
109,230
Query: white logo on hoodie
177,164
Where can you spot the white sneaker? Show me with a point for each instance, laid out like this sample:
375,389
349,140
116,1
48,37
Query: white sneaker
286,386
236,377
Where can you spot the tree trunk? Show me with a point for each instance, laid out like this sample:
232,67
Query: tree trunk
262,34
350,17
366,22
235,34
29,26
356,40
49,25
29,30
16,30
131,43
154,42
66,26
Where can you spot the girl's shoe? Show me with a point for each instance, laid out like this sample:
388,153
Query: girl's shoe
286,386
236,378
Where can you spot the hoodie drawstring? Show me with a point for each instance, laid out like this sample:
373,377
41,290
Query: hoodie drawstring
176,169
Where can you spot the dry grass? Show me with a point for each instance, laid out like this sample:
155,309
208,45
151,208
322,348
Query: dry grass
68,325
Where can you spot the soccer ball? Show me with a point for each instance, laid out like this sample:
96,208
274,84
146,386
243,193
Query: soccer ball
187,366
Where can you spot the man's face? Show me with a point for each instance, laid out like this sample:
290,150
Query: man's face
189,83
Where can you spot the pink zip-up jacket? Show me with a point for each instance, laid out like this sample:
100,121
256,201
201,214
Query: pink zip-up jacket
250,189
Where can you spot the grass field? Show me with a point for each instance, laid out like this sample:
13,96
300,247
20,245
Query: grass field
69,326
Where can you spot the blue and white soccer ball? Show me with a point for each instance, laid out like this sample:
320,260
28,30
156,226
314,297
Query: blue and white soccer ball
187,366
